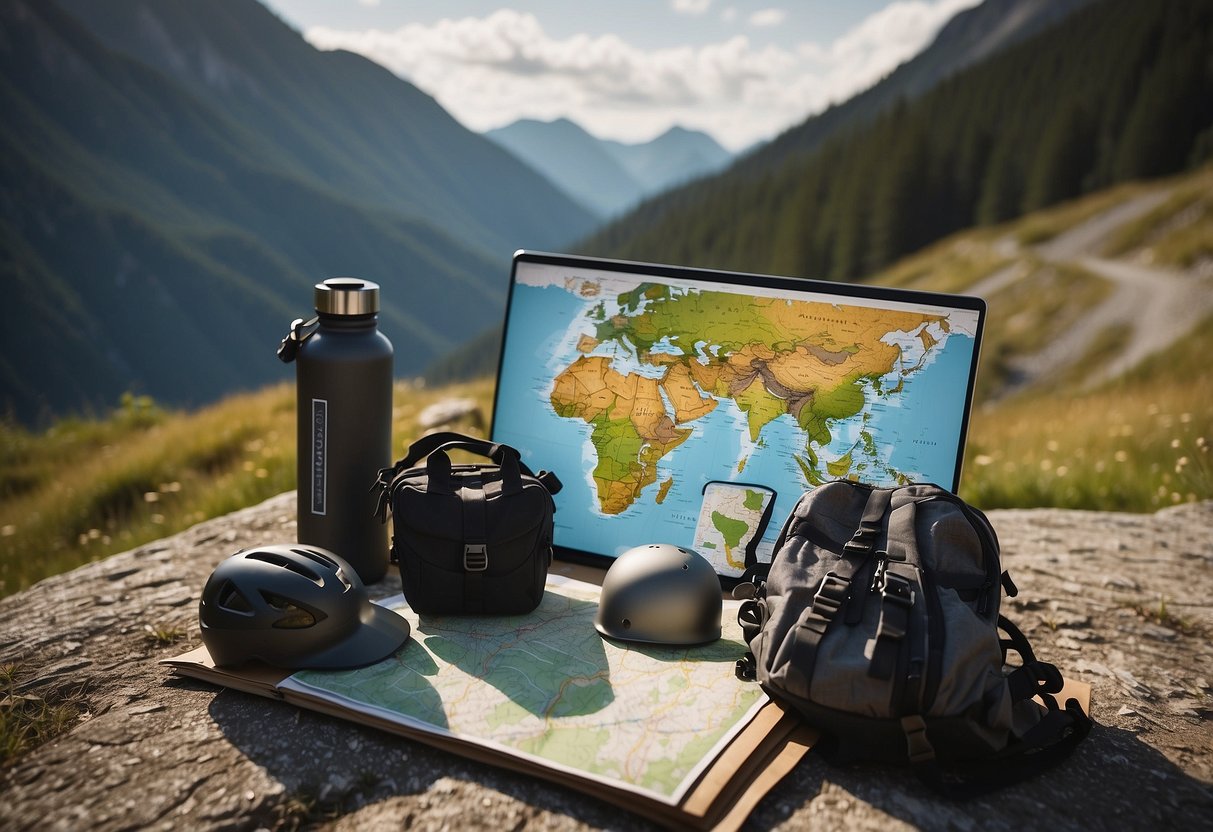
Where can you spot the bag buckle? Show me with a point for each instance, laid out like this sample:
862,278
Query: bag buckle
830,595
475,557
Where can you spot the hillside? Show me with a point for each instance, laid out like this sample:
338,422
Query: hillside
1123,420
610,176
1116,91
170,198
968,38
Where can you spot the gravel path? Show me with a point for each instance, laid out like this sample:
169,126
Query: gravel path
1157,305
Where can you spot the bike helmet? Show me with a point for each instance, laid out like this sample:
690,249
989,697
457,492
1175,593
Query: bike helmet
660,594
294,607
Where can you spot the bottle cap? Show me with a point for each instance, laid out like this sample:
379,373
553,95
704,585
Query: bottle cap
347,296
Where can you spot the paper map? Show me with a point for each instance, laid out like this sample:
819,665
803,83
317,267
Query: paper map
547,686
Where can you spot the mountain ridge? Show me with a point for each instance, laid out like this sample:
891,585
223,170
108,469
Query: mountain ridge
1070,110
158,241
606,175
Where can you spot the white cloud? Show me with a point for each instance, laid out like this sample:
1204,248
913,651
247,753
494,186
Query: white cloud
371,3
690,6
768,17
493,70
729,14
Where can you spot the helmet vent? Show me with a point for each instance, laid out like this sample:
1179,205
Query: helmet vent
295,617
312,554
229,598
627,623
288,564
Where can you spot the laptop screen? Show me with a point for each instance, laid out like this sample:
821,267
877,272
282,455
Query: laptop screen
695,407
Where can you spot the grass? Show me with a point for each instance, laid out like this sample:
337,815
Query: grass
87,488
1114,449
1042,226
28,720
1177,233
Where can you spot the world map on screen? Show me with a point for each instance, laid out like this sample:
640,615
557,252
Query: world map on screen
638,392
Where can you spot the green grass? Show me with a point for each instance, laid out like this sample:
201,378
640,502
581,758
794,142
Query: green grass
1125,448
28,719
87,488
1042,226
1177,233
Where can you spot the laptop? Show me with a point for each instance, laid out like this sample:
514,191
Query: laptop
695,407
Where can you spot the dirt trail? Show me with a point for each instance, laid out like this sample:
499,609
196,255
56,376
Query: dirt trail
1157,305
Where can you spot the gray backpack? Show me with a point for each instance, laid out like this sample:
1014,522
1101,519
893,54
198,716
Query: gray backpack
878,621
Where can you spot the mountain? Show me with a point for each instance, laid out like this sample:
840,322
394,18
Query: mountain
971,36
1118,90
339,118
177,175
609,176
577,162
676,156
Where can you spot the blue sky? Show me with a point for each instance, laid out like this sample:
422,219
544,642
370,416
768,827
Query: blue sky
742,70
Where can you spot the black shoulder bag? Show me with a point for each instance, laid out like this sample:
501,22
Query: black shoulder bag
469,538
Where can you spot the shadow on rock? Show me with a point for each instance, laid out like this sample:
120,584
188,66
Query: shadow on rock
1112,781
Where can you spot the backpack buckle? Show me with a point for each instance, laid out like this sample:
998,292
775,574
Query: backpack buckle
918,746
475,557
862,541
830,595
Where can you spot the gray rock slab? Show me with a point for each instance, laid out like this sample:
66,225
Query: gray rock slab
1122,601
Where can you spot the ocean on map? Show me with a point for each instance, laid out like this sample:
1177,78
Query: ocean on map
541,344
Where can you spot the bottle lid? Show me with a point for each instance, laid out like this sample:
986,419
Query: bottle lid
347,296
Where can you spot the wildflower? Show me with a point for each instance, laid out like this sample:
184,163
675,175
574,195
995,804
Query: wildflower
1175,443
261,473
1062,470
1121,456
150,497
8,530
158,519
983,459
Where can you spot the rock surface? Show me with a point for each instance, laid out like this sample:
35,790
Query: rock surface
1124,602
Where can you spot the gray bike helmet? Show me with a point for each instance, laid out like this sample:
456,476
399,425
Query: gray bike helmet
294,607
660,594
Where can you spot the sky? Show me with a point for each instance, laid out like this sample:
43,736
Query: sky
740,70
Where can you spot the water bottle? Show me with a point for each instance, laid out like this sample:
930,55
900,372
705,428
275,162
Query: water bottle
343,374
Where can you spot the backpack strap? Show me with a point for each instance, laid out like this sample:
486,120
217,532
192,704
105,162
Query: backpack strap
1045,744
835,587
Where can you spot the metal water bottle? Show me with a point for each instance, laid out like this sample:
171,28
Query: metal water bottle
343,373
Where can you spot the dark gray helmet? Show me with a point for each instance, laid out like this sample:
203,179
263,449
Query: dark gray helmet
660,594
294,607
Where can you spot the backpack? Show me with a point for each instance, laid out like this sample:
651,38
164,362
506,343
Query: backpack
878,620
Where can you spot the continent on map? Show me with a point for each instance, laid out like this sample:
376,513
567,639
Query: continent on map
631,430
733,515
768,357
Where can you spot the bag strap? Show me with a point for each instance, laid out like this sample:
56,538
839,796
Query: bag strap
476,553
496,451
835,587
438,469
1045,745
430,444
